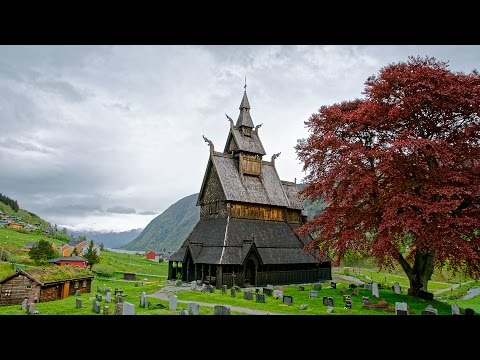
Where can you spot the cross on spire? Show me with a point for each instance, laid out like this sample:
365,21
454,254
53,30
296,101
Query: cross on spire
245,87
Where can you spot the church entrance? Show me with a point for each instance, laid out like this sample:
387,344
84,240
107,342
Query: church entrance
250,273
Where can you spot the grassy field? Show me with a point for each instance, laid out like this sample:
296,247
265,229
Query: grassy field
151,277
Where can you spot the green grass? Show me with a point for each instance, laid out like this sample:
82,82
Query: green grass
315,305
133,263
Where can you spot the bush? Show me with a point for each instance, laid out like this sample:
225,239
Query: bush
103,270
346,271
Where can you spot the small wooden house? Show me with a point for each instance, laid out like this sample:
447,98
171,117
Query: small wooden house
46,283
70,260
152,255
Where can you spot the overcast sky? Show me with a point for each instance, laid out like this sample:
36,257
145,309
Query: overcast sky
108,137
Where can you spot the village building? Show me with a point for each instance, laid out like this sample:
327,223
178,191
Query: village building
245,235
70,260
44,284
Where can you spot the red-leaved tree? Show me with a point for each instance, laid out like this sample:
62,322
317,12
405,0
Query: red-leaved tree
400,171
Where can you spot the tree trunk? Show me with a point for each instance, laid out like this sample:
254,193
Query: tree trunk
420,274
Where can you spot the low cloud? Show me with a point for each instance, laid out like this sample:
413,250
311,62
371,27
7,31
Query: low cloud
121,210
147,212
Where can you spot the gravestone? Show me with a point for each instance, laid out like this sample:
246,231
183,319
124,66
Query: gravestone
108,297
313,294
143,299
211,289
429,310
78,303
269,287
233,292
396,288
25,305
128,308
277,294
328,301
257,291
96,307
31,308
469,311
455,309
193,285
119,299
260,298
193,308
301,288
267,291
106,309
375,290
330,309
204,288
333,284
401,308
303,307
99,297
367,286
224,289
221,310
118,309
78,293
317,286
348,304
288,300
364,300
172,302
247,295
346,297
183,312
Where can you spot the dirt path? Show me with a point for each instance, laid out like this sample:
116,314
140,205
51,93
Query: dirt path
165,292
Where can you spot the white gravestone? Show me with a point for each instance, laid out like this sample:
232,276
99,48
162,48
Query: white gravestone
109,297
455,309
193,285
128,308
172,302
193,308
401,306
375,290
396,288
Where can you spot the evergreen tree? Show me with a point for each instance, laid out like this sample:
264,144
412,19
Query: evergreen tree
91,255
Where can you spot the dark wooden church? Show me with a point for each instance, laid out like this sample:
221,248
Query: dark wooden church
247,218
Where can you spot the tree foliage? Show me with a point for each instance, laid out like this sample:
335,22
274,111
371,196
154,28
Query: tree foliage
400,170
91,254
10,202
42,252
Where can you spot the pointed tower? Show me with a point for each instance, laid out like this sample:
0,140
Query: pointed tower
245,235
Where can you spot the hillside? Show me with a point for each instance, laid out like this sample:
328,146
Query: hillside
24,215
169,229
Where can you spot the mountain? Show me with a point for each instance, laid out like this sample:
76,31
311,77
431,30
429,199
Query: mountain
110,239
169,229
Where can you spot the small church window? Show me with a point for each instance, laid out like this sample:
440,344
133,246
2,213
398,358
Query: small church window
84,283
76,284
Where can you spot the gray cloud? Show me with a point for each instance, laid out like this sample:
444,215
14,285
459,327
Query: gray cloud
121,210
85,128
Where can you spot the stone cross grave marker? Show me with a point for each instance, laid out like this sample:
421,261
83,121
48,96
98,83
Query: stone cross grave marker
128,308
375,290
401,308
172,302
193,308
248,295
221,310
455,309
313,294
260,298
396,288
25,305
429,310
288,300
78,303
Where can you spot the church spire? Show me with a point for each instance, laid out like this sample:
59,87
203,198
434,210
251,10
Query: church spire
244,119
